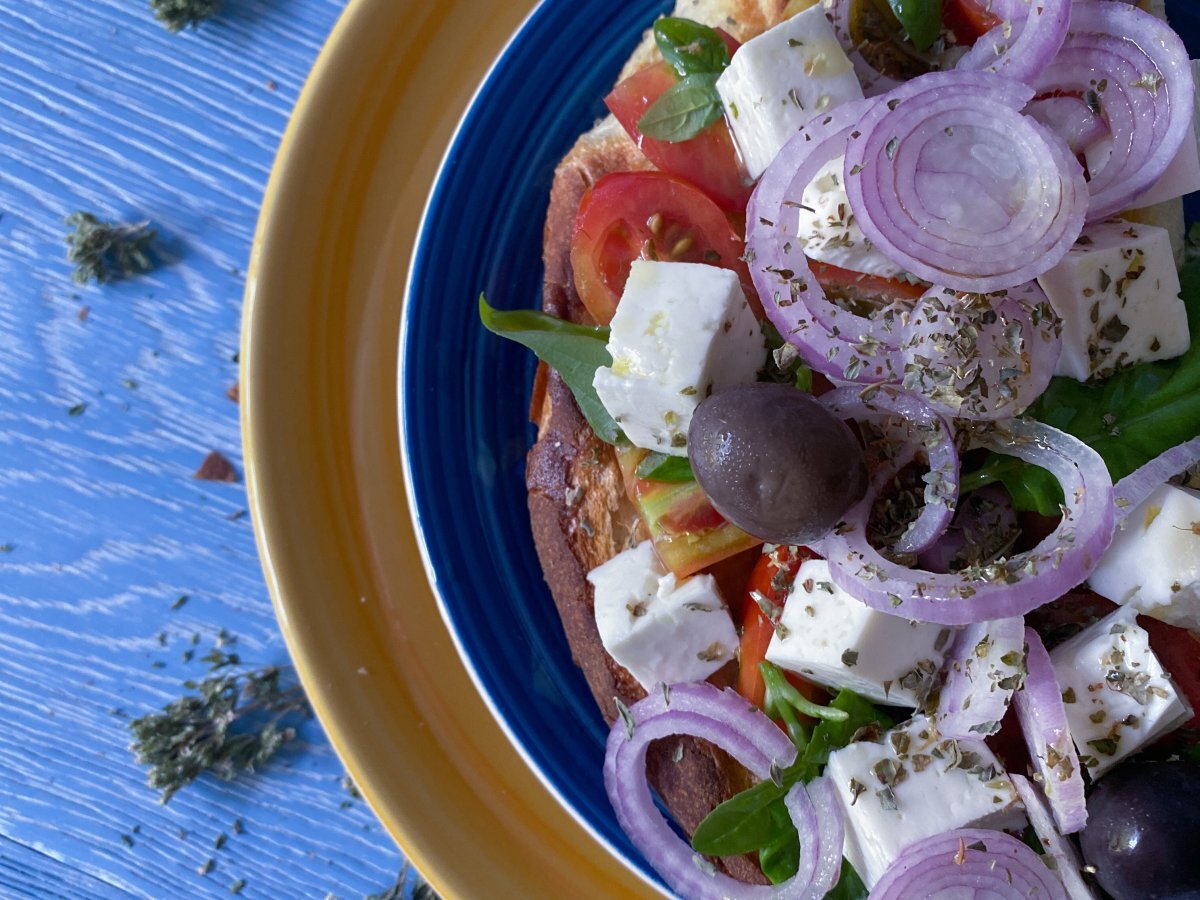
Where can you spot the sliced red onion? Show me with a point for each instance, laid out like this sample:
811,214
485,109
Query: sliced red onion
984,666
1132,490
1039,708
947,178
832,340
1024,43
873,82
935,436
724,718
969,864
981,356
1071,119
1005,588
1132,67
1058,849
831,836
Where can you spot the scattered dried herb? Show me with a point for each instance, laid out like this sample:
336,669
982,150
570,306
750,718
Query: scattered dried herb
216,468
177,15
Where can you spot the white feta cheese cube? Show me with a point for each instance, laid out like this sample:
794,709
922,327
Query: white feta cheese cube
681,331
780,80
1117,697
1117,293
1153,562
914,784
829,637
829,230
662,630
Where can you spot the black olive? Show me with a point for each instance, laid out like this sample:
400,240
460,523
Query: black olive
1143,831
775,462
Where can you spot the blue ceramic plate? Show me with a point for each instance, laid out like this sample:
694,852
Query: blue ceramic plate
465,394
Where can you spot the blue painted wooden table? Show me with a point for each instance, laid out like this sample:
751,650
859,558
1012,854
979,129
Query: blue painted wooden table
110,397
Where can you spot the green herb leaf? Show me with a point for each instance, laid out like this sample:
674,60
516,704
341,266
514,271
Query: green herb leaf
921,20
780,860
684,110
750,820
690,48
574,351
179,14
832,735
1128,419
102,251
784,364
849,886
660,467
783,701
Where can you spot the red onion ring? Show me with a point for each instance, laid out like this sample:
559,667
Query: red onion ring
1006,588
1039,708
1058,849
953,865
1024,44
936,437
950,180
984,667
743,731
981,356
1138,72
1132,490
1070,118
832,340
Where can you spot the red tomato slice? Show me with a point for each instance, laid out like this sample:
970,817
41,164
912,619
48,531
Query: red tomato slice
772,578
863,286
646,215
969,20
708,160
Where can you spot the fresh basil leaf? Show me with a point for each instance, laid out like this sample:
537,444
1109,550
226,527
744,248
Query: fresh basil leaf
750,820
661,467
780,860
832,735
849,886
684,110
921,20
574,351
690,47
1128,419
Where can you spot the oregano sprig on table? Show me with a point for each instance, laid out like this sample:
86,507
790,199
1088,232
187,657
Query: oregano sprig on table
102,250
179,14
231,722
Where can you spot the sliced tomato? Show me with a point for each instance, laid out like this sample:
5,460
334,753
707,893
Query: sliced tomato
969,20
860,286
709,160
646,215
772,578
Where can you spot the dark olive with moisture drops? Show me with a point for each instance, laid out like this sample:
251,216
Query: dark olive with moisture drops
775,462
1143,831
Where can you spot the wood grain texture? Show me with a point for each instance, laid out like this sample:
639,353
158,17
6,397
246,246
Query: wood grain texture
101,522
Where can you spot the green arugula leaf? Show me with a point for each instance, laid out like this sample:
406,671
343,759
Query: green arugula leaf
750,820
690,48
1128,419
832,735
921,20
661,467
780,860
684,110
849,886
574,351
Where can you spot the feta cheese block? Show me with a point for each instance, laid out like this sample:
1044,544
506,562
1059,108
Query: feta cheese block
680,332
913,784
780,80
1117,293
829,637
829,230
662,630
1117,697
1153,562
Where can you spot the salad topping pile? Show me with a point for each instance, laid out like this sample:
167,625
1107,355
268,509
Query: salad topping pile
881,308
